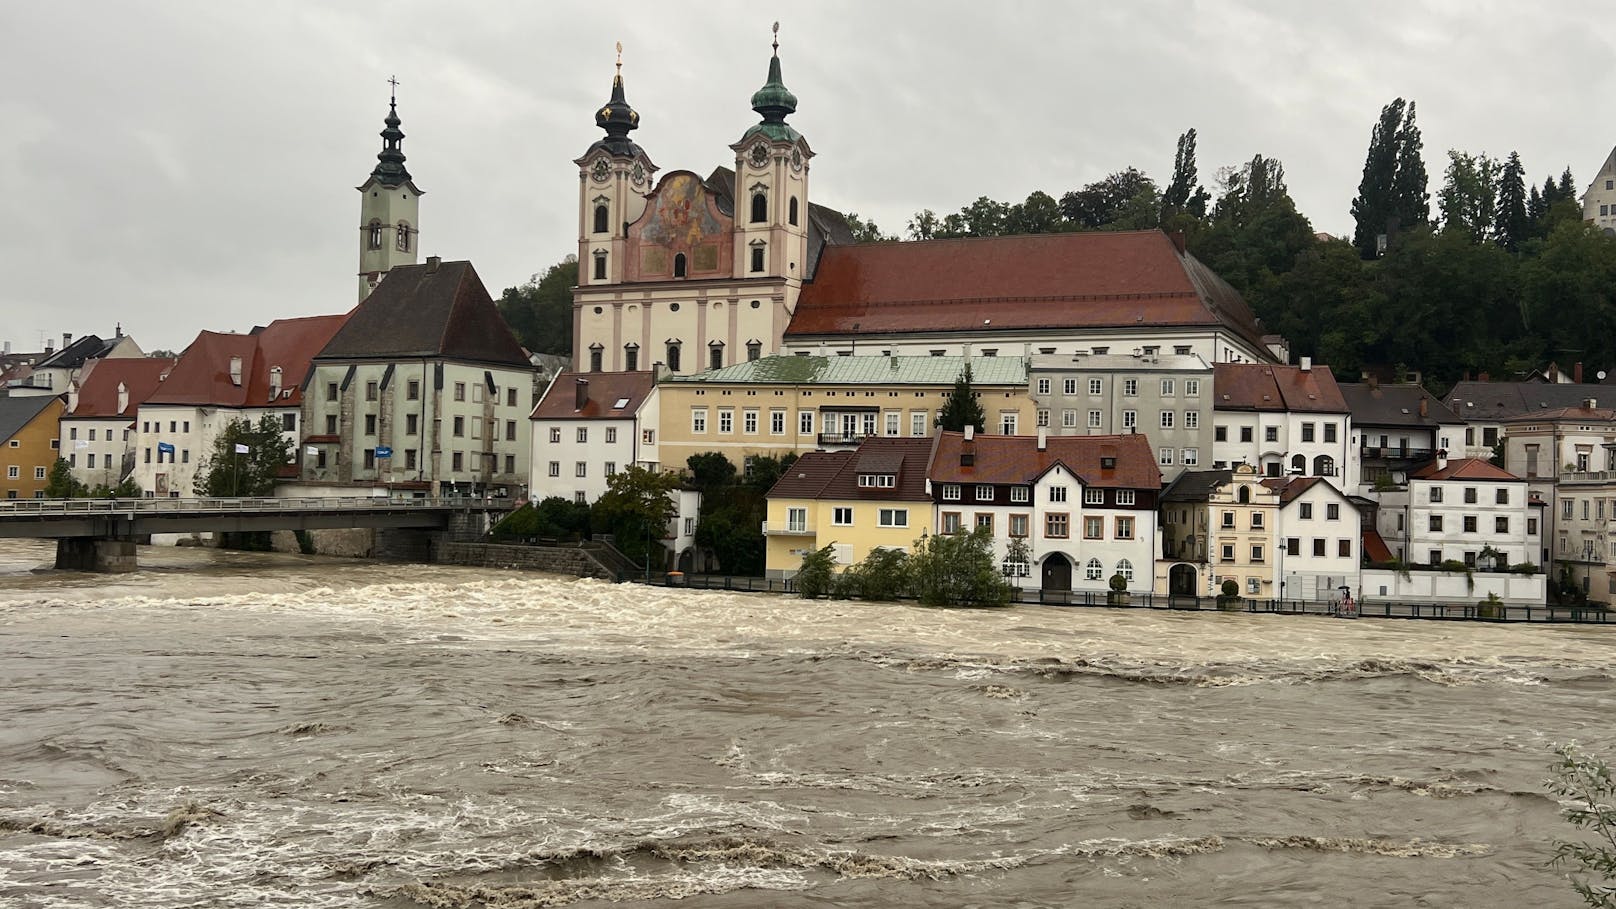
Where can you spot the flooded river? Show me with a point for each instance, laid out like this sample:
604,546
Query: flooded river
271,730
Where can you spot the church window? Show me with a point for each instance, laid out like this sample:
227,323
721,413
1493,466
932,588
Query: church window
673,356
793,210
631,357
600,266
375,241
760,208
757,257
403,236
679,265
601,214
754,350
595,351
715,355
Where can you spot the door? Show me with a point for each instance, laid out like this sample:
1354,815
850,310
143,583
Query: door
1057,572
1181,580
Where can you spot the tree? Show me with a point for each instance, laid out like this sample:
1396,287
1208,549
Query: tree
1184,194
817,575
962,408
635,509
229,470
1256,233
767,470
1120,197
882,575
709,471
923,226
540,311
1392,194
1510,222
1039,214
1469,196
865,231
1587,790
957,569
61,484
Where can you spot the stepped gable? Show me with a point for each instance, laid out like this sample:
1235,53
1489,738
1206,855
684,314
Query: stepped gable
1101,279
202,375
437,309
1016,460
1261,386
834,474
140,376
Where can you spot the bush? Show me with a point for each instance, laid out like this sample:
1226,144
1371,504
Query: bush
1231,587
1524,568
523,523
1585,787
1119,584
883,575
958,570
1490,608
817,576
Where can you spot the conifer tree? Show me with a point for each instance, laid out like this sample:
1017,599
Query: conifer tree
1511,223
1392,194
962,408
1185,194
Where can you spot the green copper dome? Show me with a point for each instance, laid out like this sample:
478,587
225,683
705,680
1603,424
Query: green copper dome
775,102
390,162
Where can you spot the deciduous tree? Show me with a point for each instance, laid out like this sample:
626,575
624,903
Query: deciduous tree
245,459
540,311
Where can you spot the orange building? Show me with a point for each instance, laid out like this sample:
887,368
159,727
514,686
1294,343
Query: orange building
29,427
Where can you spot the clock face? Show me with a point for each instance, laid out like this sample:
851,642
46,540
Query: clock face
796,159
601,169
638,173
760,155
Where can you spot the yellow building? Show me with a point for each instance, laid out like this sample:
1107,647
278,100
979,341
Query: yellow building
780,405
29,442
1219,525
855,500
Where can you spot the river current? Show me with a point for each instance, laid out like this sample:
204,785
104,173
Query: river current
225,729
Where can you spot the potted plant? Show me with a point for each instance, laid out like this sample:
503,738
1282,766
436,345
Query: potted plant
1229,597
1119,591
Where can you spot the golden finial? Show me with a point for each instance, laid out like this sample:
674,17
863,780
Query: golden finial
618,79
777,39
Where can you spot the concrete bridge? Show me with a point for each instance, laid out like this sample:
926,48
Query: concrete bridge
100,534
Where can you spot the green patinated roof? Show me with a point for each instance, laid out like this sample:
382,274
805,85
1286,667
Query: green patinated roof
788,370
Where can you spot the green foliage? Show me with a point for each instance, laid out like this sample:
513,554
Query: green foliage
883,575
962,408
521,524
1490,608
305,541
127,488
1185,195
731,527
1125,200
227,472
817,576
554,518
1392,194
957,570
1510,224
540,311
1524,568
635,509
1587,793
710,470
60,483
1469,196
1118,583
766,470
1230,587
866,231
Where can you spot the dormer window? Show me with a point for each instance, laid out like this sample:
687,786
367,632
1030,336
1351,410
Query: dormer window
602,216
403,236
1108,463
877,480
679,265
792,216
375,241
760,208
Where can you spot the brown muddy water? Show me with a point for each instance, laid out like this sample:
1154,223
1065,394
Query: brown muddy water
245,730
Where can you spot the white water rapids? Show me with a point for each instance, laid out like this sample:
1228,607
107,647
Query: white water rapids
267,730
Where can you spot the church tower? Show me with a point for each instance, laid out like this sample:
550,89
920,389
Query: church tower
614,176
389,224
771,187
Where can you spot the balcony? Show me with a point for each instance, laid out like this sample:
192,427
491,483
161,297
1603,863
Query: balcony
787,529
1395,453
851,439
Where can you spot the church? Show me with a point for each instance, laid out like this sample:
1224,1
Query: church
690,273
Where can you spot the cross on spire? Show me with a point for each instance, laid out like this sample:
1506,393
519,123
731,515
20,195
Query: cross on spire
393,81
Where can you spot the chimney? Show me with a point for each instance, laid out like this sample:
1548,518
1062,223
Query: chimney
1423,407
1178,241
117,330
580,394
235,370
123,397
7,350
1307,363
1043,438
67,338
432,263
50,346
1441,459
1576,373
274,383
970,432
1590,403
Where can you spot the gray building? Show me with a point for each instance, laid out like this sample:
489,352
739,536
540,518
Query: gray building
1166,397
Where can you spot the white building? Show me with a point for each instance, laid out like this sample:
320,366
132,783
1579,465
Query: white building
588,427
1283,420
1320,535
98,429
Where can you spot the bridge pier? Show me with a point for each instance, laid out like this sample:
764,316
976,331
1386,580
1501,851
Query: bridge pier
95,554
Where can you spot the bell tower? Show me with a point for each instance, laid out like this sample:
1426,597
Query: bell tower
614,176
389,211
771,187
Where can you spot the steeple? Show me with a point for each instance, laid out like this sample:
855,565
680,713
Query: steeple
617,118
390,162
774,101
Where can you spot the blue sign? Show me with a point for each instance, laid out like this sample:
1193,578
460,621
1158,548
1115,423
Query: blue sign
165,448
382,451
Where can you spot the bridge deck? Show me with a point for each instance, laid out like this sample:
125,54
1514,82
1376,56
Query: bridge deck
124,518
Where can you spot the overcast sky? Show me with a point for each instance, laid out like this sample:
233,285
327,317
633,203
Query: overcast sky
180,166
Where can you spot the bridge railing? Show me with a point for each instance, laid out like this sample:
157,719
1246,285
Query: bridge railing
54,507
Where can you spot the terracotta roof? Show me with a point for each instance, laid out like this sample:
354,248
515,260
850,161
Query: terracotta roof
1375,548
98,396
1291,487
17,411
1394,405
1017,460
1073,280
202,375
422,311
606,389
1465,469
834,474
1258,386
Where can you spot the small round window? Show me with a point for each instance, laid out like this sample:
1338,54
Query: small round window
674,307
598,310
756,304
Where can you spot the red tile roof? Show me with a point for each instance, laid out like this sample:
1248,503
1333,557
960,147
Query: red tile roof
1073,280
834,474
1016,460
1466,469
1375,548
605,390
202,375
1290,487
1258,386
98,397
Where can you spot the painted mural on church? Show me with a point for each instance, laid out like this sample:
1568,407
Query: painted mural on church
682,233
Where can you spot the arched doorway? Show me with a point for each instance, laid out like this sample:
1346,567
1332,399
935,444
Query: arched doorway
1057,572
1181,580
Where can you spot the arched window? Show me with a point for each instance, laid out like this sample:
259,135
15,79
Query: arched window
375,234
1324,466
673,356
1093,570
1244,496
793,210
403,236
679,265
601,214
760,208
1125,568
1299,464
754,350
